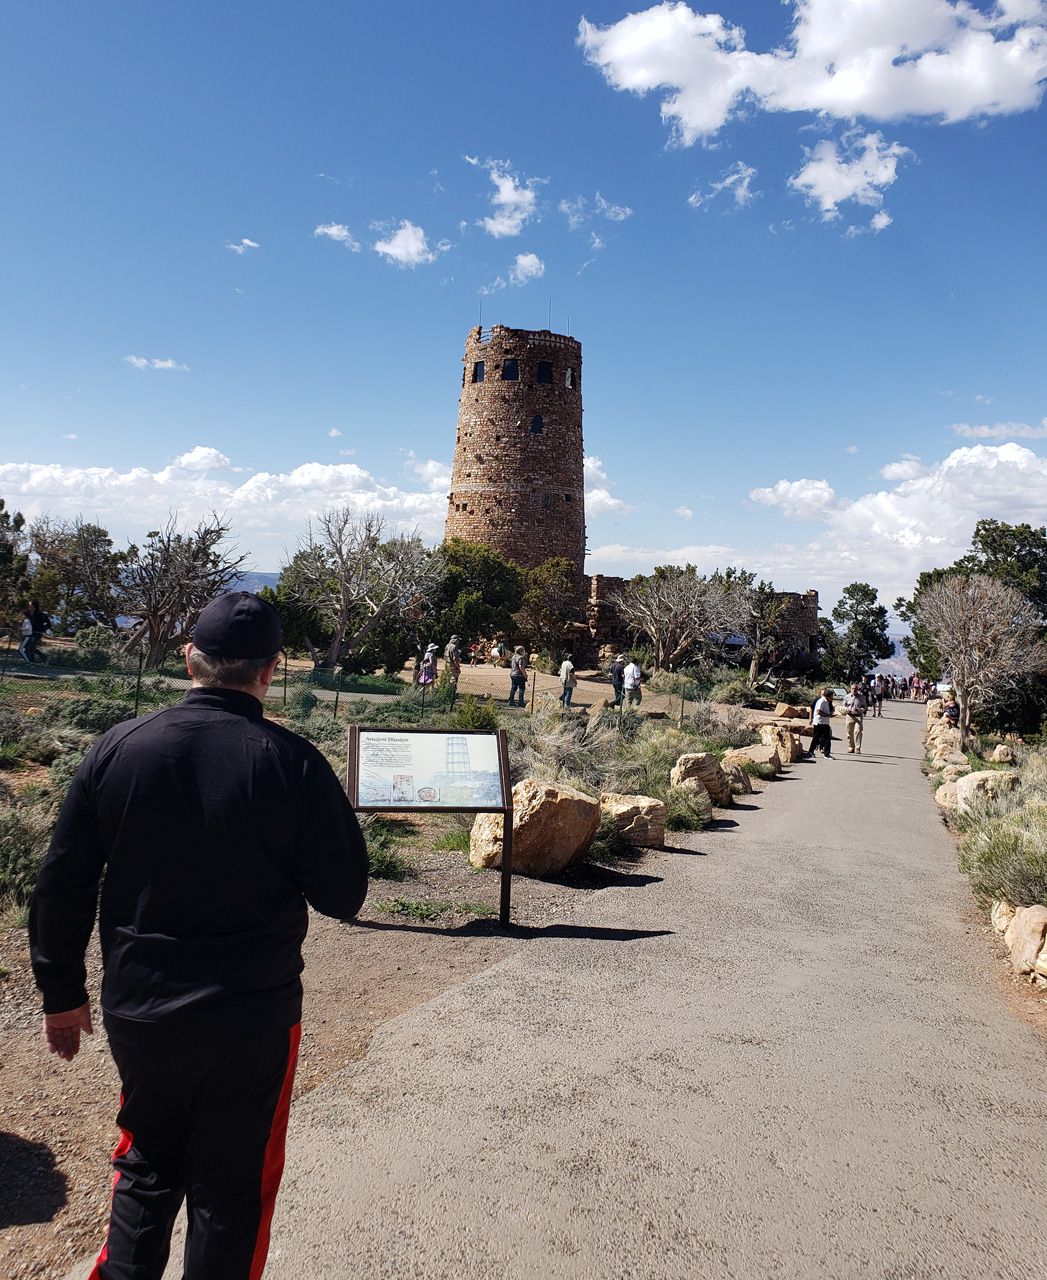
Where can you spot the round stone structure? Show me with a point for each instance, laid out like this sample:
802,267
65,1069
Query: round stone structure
517,484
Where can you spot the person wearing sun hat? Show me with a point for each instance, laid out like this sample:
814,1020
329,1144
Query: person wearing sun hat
215,830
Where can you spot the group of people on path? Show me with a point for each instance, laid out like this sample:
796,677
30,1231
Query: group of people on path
864,699
34,623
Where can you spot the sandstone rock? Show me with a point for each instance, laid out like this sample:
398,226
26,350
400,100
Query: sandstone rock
956,757
786,711
756,755
934,709
945,797
1025,937
640,819
786,743
1002,913
553,826
1040,967
953,771
704,766
1003,754
975,789
737,776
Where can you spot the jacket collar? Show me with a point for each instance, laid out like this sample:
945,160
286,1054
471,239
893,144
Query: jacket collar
234,701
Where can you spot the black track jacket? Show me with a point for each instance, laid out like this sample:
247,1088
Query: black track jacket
214,828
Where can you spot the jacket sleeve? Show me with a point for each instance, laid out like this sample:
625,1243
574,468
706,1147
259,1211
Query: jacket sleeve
331,855
62,910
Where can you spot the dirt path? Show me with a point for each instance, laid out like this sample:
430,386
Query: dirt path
788,1055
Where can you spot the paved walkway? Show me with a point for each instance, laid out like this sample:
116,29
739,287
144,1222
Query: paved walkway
801,1065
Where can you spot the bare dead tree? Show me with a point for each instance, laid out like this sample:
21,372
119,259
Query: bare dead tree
167,583
678,609
356,581
989,635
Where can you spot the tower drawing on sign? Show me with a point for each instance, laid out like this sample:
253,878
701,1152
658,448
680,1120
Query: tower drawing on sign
517,484
457,762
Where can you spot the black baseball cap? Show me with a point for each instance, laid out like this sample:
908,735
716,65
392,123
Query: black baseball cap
238,625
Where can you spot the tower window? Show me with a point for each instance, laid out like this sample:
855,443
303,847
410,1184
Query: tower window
569,378
545,371
478,371
567,497
546,499
511,371
536,425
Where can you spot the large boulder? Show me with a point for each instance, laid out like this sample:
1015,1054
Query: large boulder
786,743
755,755
640,819
934,710
1025,937
945,797
737,776
976,789
553,826
786,711
1003,754
704,766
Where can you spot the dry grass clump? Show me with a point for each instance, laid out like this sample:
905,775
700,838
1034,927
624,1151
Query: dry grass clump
1005,849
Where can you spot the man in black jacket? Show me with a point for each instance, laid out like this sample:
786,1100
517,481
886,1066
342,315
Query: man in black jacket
215,830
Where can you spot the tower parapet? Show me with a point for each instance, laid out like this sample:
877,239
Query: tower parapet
517,484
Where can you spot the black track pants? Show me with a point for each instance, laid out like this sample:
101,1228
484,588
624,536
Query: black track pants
203,1118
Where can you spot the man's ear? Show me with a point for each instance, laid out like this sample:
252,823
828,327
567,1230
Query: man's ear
188,651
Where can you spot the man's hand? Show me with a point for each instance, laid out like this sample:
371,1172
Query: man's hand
62,1031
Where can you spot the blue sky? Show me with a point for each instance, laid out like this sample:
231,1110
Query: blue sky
806,265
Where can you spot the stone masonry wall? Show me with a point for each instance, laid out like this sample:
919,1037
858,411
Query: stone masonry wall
517,481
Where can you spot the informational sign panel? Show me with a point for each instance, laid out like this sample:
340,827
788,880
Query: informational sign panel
412,770
402,769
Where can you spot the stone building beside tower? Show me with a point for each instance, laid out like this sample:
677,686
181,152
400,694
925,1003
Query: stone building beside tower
517,483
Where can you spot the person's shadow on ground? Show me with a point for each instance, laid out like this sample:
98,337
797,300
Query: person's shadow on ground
32,1189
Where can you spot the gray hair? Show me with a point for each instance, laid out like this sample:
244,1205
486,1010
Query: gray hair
226,673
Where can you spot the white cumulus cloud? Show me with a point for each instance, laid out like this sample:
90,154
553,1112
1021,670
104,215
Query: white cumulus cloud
515,200
334,433
340,233
612,212
203,458
243,245
599,500
685,513
407,246
141,362
267,509
528,266
856,168
879,59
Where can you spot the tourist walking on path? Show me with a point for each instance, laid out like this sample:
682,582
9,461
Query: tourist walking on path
821,718
25,646
877,696
427,675
854,707
632,677
453,660
518,674
215,830
569,681
617,676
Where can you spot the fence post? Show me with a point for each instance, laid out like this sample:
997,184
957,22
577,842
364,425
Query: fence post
422,717
683,703
138,681
285,679
7,654
534,685
337,691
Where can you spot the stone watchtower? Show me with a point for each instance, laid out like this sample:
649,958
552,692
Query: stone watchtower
517,482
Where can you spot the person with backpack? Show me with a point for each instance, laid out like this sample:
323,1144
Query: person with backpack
427,674
518,674
617,678
632,679
568,680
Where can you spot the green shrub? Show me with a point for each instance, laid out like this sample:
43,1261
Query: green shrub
474,713
63,769
91,715
1006,857
687,809
754,769
722,732
384,859
25,832
734,692
415,908
607,845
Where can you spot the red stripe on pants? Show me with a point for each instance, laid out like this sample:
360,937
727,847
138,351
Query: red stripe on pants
273,1166
122,1148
